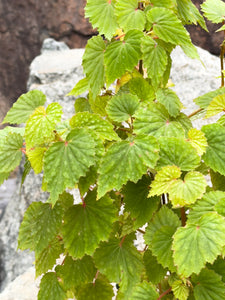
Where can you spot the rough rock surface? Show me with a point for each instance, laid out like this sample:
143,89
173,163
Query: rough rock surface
56,79
24,25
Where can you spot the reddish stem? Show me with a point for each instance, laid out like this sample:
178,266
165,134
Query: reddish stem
121,242
96,276
183,216
165,293
120,36
23,150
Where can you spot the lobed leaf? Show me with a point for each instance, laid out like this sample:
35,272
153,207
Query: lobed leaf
204,100
140,87
154,271
35,156
100,289
216,106
81,87
24,107
198,140
126,160
81,105
214,10
93,218
180,290
50,288
170,100
144,291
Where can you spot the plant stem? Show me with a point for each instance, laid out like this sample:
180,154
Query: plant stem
222,51
141,231
183,216
165,293
141,67
121,242
195,112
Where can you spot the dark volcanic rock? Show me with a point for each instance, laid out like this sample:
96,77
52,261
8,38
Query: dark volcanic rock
24,25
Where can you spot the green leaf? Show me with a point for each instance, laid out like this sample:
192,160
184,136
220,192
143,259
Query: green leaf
164,217
81,87
154,271
198,243
208,286
221,28
129,16
180,290
205,205
93,62
170,100
198,140
101,15
162,3
50,289
216,106
40,224
86,181
3,177
45,260
154,59
65,200
10,152
214,10
26,170
119,260
122,107
218,181
204,100
10,129
144,291
126,160
39,128
81,105
164,179
65,162
92,218
187,191
24,107
122,56
140,87
155,120
102,128
189,14
219,267
167,26
35,156
100,289
178,152
99,103
75,273
137,202
161,246
215,156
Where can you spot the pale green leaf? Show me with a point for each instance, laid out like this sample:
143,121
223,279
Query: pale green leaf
214,10
162,3
11,129
187,191
10,152
161,246
119,260
154,271
198,140
167,26
205,205
75,273
50,289
204,100
178,152
101,289
24,107
92,218
144,291
122,107
137,202
164,217
170,100
65,162
35,156
102,128
140,87
81,87
93,63
215,155
39,128
180,290
126,160
122,56
101,15
129,16
40,224
221,28
45,260
198,243
81,105
155,120
164,179
208,286
154,59
216,106
189,13
3,176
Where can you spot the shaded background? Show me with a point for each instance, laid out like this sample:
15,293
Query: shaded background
24,24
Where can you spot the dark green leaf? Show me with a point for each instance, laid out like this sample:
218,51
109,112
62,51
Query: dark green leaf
50,289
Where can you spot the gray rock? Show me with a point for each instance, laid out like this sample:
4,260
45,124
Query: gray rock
55,74
53,45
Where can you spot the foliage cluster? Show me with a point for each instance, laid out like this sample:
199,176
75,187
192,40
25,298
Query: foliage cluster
136,160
